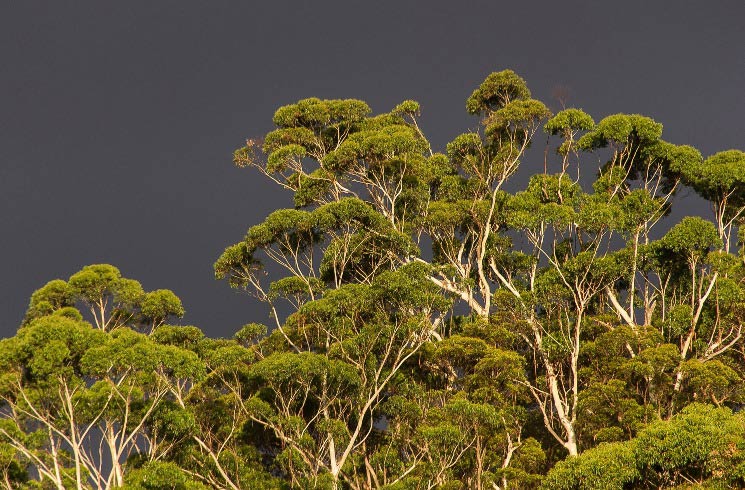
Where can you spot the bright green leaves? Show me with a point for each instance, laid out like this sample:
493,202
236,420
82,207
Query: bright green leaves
496,91
596,216
185,337
721,180
730,158
81,399
288,223
111,300
126,351
429,328
386,145
557,189
588,272
465,152
638,154
640,161
565,122
680,318
608,466
609,412
548,200
161,304
488,374
391,304
573,321
49,347
100,286
235,264
52,296
692,238
158,475
297,379
459,413
510,118
385,151
408,292
351,258
357,239
621,130
701,442
348,349
684,160
315,113
407,107
325,150
462,147
520,115
13,469
276,140
251,333
656,364
711,381
295,287
717,176
639,207
702,445
448,217
284,157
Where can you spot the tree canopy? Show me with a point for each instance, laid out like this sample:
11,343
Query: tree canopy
431,325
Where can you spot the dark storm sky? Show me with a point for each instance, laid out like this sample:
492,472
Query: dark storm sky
118,120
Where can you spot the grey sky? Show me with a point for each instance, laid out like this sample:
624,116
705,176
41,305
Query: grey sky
118,120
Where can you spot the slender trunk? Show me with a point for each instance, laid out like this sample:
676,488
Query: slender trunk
55,458
561,411
116,467
632,285
479,464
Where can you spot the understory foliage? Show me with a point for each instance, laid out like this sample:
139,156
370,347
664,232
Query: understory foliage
430,326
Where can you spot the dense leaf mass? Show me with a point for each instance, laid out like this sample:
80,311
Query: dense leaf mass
429,326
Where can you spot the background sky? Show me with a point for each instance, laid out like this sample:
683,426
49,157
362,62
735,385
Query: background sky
118,119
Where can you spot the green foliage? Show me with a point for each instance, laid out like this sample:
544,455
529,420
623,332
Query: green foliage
607,466
717,176
428,328
52,296
692,237
160,304
496,91
702,444
157,476
569,120
621,129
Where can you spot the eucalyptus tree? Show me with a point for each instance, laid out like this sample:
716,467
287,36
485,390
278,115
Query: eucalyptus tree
466,211
204,428
429,325
637,182
720,179
321,397
109,300
366,183
573,272
77,400
459,416
701,447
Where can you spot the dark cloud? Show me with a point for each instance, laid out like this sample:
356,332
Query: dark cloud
119,119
